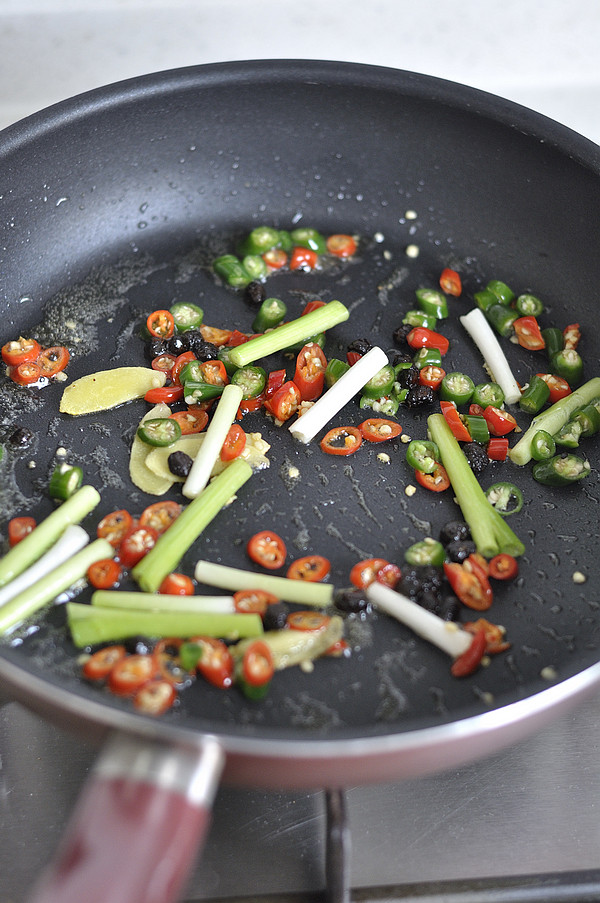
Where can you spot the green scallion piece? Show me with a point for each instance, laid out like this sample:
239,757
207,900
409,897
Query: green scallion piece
287,334
172,545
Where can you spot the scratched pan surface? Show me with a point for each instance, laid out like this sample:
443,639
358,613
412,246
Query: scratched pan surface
115,203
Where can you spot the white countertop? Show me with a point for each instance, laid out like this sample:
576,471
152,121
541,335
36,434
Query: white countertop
541,55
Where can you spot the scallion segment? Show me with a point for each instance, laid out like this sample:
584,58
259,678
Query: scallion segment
302,592
490,532
341,392
298,330
162,602
552,419
481,332
214,438
72,511
172,545
43,591
294,647
72,540
93,624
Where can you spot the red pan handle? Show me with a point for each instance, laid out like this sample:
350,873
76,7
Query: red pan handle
138,826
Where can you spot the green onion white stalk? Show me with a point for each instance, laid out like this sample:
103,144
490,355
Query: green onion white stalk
71,541
490,532
553,418
93,624
303,592
21,556
45,590
482,334
224,415
172,545
293,647
163,602
446,635
341,392
282,337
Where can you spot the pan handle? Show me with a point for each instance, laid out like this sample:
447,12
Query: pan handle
138,826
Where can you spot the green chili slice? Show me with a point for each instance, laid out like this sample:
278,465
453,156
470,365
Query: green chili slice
187,316
543,446
231,270
426,356
423,455
506,498
419,318
270,314
486,394
251,380
568,364
535,395
457,387
528,305
501,290
66,479
561,470
427,552
309,238
159,431
335,369
380,384
477,427
432,302
501,318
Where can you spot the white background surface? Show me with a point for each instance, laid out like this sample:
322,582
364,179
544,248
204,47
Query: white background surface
544,55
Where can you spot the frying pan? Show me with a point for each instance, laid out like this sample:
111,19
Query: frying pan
115,203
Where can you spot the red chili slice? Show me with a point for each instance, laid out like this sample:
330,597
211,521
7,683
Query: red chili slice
311,568
307,620
160,515
53,360
421,337
255,601
114,526
450,282
378,429
104,574
472,590
267,549
275,258
341,440
431,376
164,394
180,361
161,324
559,387
363,573
341,245
215,336
234,444
497,448
470,660
455,422
437,481
19,528
312,305
303,259
216,662
257,664
177,585
309,376
214,373
25,374
20,351
284,402
495,641
131,672
499,421
192,420
164,363
156,697
136,544
528,333
100,664
503,567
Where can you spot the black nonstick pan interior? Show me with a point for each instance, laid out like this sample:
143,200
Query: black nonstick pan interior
115,203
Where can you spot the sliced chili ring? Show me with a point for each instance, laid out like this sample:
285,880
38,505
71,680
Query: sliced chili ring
470,660
499,421
303,259
168,661
309,620
160,515
114,526
341,245
450,282
164,363
275,258
161,324
257,664
214,335
503,567
309,376
471,588
20,350
177,585
100,663
215,663
159,431
53,360
19,528
341,440
104,573
311,568
131,672
192,420
506,498
136,544
253,601
363,573
389,574
284,402
267,549
234,444
164,394
378,429
155,697
494,635
26,373
436,481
